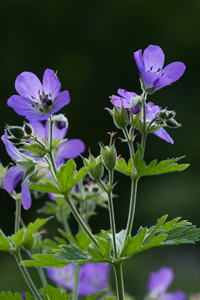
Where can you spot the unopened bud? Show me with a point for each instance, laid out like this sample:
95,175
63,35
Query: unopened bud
28,128
95,172
14,140
136,105
16,131
172,123
171,114
61,121
109,156
163,114
120,117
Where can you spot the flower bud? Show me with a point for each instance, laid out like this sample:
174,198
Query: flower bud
163,114
120,117
14,140
136,105
95,172
109,156
171,114
28,244
16,131
28,128
61,121
172,123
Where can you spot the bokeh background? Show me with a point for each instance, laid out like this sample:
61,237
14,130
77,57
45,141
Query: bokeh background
91,44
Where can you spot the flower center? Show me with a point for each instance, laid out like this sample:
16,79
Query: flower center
45,102
158,71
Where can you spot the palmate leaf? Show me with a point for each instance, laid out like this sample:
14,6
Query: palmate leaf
54,294
46,187
23,234
170,233
5,244
44,260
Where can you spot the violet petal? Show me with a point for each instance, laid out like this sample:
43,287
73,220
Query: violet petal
51,84
160,281
70,149
162,133
154,58
60,101
12,177
25,194
27,84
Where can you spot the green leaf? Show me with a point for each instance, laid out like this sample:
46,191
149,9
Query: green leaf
122,166
54,294
94,295
46,187
37,150
66,175
44,260
10,296
4,244
49,208
23,234
94,251
105,247
71,254
83,171
165,166
134,244
55,143
28,296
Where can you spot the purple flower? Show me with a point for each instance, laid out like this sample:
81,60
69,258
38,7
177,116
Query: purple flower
151,111
93,277
38,101
16,173
151,70
158,284
69,149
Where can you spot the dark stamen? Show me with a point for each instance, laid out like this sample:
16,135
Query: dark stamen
32,97
41,109
162,74
158,70
151,68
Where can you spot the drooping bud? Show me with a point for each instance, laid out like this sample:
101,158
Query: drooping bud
136,105
95,172
16,131
172,123
28,128
163,114
13,140
171,114
61,121
120,117
109,156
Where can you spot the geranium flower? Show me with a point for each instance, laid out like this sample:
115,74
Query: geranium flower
93,277
151,111
158,284
69,149
38,101
151,70
23,165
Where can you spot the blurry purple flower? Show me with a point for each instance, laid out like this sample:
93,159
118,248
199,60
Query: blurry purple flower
16,173
38,101
69,149
151,111
23,295
151,70
158,284
93,277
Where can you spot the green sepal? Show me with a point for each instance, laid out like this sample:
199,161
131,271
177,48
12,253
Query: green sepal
25,233
44,260
56,142
54,294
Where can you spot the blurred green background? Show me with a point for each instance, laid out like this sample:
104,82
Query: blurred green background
91,44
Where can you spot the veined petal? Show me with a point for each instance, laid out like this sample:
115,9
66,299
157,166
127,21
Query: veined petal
12,177
151,111
118,101
160,281
176,295
60,101
22,106
10,148
154,58
70,149
139,59
150,79
25,194
126,95
51,84
28,85
162,133
174,71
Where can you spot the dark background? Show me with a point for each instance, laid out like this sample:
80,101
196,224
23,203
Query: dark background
91,44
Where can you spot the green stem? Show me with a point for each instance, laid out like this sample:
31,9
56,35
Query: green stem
27,277
80,221
130,143
76,282
42,276
65,223
119,281
111,213
17,215
144,121
131,211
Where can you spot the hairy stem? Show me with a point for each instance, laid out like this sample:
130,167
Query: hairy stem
119,281
17,215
